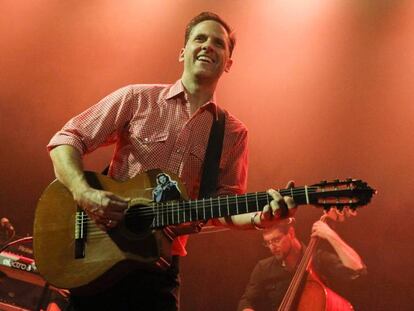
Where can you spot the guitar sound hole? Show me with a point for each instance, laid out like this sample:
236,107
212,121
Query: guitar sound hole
138,219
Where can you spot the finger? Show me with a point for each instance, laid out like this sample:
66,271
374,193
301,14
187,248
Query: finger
117,198
111,223
352,212
114,215
279,208
266,214
289,202
290,184
115,203
274,194
280,205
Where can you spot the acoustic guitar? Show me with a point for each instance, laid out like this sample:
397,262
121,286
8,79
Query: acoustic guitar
71,252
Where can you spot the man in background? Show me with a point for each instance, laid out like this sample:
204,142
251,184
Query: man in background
271,276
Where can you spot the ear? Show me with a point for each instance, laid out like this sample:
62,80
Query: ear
181,56
228,65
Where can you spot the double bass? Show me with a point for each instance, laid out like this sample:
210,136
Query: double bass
311,294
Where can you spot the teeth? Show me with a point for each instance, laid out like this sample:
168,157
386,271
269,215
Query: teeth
205,58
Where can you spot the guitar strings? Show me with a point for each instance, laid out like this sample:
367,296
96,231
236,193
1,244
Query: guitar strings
171,207
184,206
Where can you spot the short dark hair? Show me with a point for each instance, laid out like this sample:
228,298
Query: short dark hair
209,16
283,226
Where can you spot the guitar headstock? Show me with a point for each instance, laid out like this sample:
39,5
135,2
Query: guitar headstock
349,193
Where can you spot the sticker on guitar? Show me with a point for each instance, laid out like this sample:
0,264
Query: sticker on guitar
166,189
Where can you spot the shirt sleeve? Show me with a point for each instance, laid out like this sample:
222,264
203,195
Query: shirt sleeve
98,125
252,292
331,268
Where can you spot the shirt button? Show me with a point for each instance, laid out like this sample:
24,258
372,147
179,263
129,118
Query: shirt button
179,150
146,139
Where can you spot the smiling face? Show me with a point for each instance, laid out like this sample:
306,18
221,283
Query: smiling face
207,53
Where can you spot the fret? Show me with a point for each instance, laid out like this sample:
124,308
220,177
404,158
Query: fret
179,209
204,209
196,204
257,202
196,212
161,208
189,202
218,200
155,220
177,212
211,207
193,212
192,216
184,208
228,209
186,212
247,205
172,212
267,198
237,205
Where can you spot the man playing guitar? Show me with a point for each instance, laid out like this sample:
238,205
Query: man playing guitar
166,127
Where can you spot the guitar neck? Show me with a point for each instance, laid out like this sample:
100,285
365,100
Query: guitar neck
174,213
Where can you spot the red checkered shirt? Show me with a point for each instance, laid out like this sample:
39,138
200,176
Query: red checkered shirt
152,128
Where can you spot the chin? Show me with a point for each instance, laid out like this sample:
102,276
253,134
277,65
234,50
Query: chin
278,256
206,75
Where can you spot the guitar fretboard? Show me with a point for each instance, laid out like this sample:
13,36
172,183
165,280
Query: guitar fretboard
174,213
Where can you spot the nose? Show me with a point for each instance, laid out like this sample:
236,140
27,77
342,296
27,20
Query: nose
207,45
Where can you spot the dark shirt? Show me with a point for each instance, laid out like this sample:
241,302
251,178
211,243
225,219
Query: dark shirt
269,280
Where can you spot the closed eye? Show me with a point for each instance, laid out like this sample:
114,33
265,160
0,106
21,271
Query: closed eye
200,38
220,43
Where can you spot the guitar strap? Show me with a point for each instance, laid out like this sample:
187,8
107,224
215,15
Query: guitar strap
211,165
209,175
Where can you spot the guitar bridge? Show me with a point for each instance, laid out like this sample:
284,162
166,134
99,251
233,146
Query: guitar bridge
81,225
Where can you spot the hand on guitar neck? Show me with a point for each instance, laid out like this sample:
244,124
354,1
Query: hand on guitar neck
279,207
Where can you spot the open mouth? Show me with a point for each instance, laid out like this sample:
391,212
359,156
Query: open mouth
205,59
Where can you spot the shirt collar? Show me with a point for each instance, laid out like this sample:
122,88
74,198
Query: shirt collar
177,89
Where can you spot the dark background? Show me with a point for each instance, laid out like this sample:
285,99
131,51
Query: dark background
325,88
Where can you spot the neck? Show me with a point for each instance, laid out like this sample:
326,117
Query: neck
198,91
294,255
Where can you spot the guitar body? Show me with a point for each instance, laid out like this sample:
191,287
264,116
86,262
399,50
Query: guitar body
107,255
